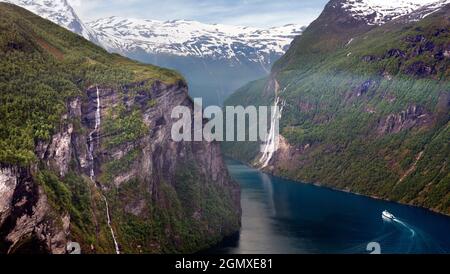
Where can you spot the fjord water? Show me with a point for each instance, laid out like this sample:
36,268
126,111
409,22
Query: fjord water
285,217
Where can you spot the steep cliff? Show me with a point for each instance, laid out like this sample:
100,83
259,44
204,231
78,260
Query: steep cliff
366,106
86,152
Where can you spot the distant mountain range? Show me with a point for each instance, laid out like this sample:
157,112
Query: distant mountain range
191,38
215,59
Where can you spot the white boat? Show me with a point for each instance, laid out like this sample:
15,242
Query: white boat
386,214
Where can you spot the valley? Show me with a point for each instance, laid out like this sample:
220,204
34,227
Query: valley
366,106
88,154
215,59
292,217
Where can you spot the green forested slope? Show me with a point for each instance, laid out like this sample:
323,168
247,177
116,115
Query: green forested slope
171,202
367,110
41,66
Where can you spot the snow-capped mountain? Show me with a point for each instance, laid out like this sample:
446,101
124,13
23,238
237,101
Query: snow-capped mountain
191,38
59,12
378,12
215,59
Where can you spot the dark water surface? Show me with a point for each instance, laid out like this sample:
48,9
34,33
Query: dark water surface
282,216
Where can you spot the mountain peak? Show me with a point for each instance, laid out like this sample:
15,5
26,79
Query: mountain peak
378,12
174,37
59,12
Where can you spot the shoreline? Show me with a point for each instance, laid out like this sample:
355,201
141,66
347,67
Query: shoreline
338,189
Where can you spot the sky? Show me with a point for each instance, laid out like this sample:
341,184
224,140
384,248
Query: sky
256,13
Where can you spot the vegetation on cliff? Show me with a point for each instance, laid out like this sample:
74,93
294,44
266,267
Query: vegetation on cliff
44,69
367,108
42,65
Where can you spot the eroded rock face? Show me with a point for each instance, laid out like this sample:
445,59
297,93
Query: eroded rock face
362,89
414,116
26,216
8,182
420,69
160,157
167,154
29,222
57,153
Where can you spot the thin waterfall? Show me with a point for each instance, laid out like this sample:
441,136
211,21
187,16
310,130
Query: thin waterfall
272,142
108,217
92,171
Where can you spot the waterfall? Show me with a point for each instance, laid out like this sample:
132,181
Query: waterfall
92,171
272,142
108,218
91,136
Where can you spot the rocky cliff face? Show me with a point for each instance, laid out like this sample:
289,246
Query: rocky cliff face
146,178
27,223
86,154
412,117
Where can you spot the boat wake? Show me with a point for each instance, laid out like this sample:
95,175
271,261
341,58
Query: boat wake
389,217
416,240
403,234
405,225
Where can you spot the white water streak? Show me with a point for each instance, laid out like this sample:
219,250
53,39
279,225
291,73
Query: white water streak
273,139
92,171
108,216
413,233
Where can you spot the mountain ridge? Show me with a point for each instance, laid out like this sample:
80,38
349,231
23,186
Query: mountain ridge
60,12
192,38
366,107
215,59
177,37
378,12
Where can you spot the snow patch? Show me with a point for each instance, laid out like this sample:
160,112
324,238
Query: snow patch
57,11
378,12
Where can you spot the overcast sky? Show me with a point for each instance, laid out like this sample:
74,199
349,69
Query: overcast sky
258,13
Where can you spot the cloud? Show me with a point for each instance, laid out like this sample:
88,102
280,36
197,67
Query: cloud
261,13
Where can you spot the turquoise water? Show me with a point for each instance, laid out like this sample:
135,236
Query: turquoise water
282,216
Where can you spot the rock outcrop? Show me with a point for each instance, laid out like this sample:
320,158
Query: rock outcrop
27,224
157,160
86,153
414,116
